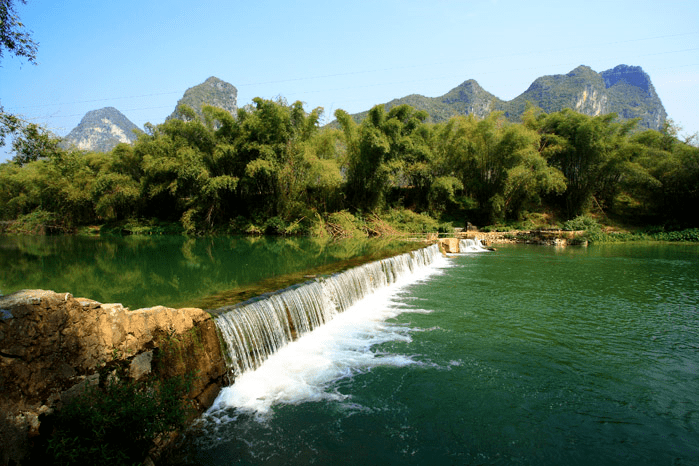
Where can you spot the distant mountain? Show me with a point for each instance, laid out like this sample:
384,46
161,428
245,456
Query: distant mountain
213,92
624,90
631,95
101,130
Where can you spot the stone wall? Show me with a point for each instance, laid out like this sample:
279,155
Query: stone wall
449,245
52,345
546,237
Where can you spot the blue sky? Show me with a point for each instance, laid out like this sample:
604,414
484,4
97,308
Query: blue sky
140,56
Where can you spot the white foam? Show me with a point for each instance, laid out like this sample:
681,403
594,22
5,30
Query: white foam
471,245
303,370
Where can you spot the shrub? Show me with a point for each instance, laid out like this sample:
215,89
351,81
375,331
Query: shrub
117,424
318,228
134,226
446,227
691,234
274,226
411,222
581,222
38,222
345,225
599,236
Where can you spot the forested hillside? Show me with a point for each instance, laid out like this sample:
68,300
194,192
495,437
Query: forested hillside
624,90
271,168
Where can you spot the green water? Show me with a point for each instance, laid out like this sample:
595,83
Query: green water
176,271
530,355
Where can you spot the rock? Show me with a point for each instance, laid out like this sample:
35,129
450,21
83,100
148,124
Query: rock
560,242
624,90
450,245
208,396
79,388
141,365
53,346
101,130
214,92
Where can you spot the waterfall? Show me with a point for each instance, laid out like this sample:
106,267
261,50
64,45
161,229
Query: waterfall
254,330
471,245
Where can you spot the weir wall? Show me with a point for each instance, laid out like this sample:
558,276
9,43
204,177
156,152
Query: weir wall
545,237
53,346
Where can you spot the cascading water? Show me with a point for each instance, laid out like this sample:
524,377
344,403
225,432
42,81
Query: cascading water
471,245
254,330
533,356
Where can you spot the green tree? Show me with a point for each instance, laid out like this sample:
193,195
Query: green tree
182,170
29,140
591,152
310,179
499,164
117,190
13,35
387,151
668,186
411,154
60,186
269,155
15,39
367,174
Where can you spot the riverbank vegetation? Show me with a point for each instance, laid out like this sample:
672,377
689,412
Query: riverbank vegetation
271,169
116,424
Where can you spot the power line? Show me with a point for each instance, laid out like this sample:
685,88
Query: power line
365,86
353,73
82,114
99,100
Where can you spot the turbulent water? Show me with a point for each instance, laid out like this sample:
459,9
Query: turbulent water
527,355
255,330
470,245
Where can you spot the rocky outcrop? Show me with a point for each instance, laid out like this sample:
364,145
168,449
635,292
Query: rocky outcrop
101,130
449,245
469,98
52,345
624,90
214,92
632,95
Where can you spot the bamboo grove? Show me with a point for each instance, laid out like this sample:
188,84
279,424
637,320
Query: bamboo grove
271,168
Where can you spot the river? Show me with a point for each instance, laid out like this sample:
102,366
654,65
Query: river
527,355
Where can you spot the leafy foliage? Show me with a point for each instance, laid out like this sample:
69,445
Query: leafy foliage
499,164
271,169
589,151
581,222
29,140
13,35
118,424
690,234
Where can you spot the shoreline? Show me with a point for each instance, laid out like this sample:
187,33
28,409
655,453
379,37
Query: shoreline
543,237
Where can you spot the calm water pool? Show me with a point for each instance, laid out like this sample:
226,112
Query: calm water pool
144,271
